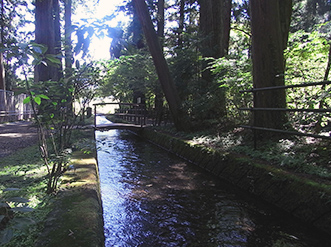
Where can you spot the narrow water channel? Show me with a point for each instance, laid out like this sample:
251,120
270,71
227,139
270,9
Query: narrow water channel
152,198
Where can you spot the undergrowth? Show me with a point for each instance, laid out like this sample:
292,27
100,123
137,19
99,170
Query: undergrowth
23,182
296,154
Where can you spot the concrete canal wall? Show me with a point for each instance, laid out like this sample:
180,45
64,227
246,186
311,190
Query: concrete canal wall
305,199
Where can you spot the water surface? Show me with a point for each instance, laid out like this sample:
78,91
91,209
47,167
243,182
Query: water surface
151,198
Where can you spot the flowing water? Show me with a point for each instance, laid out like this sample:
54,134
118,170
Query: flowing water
152,198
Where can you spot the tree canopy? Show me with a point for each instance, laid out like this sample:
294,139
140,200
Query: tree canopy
210,51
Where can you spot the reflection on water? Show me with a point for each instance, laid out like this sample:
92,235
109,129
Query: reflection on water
151,198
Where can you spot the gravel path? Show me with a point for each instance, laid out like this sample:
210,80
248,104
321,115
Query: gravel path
16,135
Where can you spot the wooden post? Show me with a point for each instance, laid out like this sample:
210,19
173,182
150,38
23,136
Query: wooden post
95,115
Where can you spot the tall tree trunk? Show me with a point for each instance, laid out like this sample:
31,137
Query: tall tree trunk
46,33
215,17
161,65
58,73
181,23
2,67
137,35
318,126
270,22
159,97
160,20
67,39
2,73
328,65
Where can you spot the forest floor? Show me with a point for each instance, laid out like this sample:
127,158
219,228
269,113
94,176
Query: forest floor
71,217
16,135
302,156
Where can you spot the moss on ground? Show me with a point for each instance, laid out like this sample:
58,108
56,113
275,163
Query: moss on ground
77,216
72,217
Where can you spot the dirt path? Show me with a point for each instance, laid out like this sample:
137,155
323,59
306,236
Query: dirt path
16,135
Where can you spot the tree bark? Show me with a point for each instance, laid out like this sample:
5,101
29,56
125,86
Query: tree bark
215,16
160,19
270,22
318,126
67,39
2,73
47,33
181,23
159,97
2,67
58,73
161,65
328,65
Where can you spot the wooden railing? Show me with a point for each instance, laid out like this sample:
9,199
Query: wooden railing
131,112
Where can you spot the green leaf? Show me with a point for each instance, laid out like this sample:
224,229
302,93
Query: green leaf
37,99
54,103
43,96
53,59
63,101
27,100
39,48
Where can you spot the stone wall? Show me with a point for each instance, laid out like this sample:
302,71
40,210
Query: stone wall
302,197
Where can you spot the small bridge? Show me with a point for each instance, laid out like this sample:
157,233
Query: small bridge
118,126
134,113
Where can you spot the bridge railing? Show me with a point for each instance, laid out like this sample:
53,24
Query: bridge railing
134,113
131,112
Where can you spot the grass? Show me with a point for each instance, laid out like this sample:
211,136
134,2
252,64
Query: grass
23,182
302,155
22,186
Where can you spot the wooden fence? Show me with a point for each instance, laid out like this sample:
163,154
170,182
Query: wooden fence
12,107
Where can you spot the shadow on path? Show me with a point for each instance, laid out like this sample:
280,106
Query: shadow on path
16,135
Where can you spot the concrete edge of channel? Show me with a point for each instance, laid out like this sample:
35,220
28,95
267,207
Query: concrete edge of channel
301,197
77,216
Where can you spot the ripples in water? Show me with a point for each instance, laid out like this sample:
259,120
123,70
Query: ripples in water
151,198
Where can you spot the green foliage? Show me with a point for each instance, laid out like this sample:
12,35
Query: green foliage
129,74
295,155
307,14
14,18
86,80
235,75
22,177
306,56
306,61
54,112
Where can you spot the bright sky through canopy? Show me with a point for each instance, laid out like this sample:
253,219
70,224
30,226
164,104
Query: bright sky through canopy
99,48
